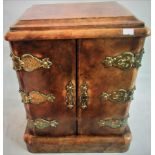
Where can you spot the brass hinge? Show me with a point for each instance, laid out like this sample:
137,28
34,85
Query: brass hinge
42,123
28,62
124,61
36,97
119,96
113,123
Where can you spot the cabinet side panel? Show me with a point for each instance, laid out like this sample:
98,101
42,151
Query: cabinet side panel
104,82
51,72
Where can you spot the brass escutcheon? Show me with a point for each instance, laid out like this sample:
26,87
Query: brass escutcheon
70,95
84,95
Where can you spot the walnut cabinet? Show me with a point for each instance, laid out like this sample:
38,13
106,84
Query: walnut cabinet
76,65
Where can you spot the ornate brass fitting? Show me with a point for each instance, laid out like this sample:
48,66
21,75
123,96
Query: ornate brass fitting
70,95
28,62
113,123
119,96
36,97
41,123
125,61
84,95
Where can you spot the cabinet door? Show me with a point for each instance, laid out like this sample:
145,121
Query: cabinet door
46,70
107,69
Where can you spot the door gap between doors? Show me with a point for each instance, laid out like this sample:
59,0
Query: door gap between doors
76,82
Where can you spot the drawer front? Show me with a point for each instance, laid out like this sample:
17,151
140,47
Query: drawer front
107,70
46,71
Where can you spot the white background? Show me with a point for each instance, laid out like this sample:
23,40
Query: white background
14,113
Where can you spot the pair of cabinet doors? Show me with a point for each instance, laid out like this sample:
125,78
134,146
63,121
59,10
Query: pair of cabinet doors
77,87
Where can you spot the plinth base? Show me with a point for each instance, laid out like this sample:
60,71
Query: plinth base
79,143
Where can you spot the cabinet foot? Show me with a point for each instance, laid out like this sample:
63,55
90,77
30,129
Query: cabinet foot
79,143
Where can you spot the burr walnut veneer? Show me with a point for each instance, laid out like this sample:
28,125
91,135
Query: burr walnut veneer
76,65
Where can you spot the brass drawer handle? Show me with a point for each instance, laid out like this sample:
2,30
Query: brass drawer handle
28,62
124,61
84,95
36,97
113,123
70,95
119,96
42,123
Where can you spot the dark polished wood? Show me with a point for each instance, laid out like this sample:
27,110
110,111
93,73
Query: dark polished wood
99,79
79,144
53,80
75,38
79,20
77,15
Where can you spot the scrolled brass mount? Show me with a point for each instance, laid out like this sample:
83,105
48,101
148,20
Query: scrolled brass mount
118,96
35,97
42,123
113,123
124,61
28,62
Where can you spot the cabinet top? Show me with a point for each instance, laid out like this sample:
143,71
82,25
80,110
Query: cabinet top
75,11
74,18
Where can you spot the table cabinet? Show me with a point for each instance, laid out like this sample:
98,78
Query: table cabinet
77,65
